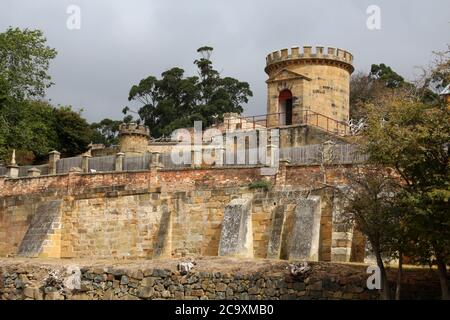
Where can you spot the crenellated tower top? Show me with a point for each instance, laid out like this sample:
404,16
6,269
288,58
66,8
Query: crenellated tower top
133,129
309,55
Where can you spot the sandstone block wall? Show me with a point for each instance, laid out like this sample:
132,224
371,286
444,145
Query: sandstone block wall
154,214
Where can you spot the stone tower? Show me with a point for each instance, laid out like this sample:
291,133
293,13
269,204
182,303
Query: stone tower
308,82
133,139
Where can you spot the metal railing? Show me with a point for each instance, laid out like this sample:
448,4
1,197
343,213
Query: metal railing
137,163
106,163
168,163
302,155
63,165
308,117
317,154
44,169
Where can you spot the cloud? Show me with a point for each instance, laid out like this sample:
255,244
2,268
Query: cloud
120,42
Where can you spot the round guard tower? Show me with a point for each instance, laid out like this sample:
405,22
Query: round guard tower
133,139
308,87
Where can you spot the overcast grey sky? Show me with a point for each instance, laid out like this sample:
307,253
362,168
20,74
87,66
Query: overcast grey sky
123,41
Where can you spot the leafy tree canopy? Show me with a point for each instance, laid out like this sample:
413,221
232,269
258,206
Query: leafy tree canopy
383,82
384,73
174,100
106,132
24,63
31,126
413,138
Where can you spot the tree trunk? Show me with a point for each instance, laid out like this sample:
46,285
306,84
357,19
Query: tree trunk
443,278
385,292
398,289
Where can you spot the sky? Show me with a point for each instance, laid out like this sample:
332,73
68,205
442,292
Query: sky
119,42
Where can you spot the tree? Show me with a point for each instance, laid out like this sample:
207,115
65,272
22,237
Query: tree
383,83
370,204
386,75
435,78
440,70
34,131
24,63
175,101
106,132
41,128
413,138
363,89
27,123
74,132
30,131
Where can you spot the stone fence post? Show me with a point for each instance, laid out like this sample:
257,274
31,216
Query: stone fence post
196,156
119,161
280,179
219,155
155,161
13,168
328,152
155,165
34,172
72,179
85,163
13,171
53,158
2,182
273,154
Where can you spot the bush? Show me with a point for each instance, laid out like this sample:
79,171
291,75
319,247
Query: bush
261,184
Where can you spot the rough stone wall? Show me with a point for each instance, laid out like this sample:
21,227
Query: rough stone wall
249,279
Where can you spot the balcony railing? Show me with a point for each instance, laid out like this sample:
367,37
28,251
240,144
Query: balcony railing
307,117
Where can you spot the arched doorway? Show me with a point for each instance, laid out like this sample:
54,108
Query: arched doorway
285,107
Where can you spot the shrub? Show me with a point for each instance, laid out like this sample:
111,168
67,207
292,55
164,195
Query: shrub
261,184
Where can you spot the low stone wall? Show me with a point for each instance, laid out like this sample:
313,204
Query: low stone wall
212,279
